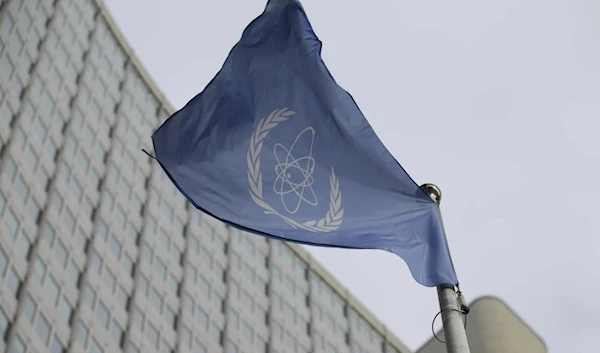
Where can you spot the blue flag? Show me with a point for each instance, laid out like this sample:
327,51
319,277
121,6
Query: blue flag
275,147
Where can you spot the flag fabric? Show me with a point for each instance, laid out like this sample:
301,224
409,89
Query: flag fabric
275,147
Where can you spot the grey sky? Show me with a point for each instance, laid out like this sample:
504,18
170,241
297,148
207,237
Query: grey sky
497,102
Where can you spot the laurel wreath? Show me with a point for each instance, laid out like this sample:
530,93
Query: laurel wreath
335,213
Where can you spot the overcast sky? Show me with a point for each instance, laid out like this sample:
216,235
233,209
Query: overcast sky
497,102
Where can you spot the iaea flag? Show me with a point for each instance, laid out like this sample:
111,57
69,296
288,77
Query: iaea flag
275,147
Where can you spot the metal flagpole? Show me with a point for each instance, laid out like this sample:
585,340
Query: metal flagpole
452,304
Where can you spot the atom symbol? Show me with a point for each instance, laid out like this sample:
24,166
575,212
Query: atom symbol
294,175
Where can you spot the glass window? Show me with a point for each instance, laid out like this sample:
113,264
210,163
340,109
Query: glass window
95,262
190,273
18,346
88,208
57,346
138,317
39,268
199,347
23,245
13,282
232,319
173,284
51,289
170,317
122,297
76,189
74,272
61,253
152,335
146,252
42,328
161,269
201,318
103,314
128,264
81,240
143,285
115,246
34,210
29,307
247,331
215,332
89,295
109,279
95,347
10,168
69,221
204,286
21,189
65,310
156,299
31,158
82,333
117,333
231,347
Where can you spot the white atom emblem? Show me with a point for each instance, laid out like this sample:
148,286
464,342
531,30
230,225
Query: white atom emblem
294,173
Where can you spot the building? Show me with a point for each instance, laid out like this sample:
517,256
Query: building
99,253
492,327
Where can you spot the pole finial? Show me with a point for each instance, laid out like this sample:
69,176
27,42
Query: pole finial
433,191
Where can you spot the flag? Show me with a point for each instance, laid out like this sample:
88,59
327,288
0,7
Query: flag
275,147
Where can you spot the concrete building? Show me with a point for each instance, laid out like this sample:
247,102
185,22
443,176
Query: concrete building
99,253
492,327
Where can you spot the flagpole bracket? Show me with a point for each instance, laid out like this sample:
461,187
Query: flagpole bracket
433,191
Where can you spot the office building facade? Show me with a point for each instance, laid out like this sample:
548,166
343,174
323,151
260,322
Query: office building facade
99,252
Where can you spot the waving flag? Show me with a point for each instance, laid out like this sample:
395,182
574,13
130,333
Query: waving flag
275,147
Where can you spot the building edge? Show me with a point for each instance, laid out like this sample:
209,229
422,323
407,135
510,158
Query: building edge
314,265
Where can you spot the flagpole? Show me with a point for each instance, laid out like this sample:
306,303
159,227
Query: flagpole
452,304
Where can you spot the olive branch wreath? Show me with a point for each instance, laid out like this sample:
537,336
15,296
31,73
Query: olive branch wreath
335,213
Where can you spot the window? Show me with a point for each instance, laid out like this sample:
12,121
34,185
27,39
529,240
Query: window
117,333
156,299
61,253
103,314
128,264
215,332
170,317
42,328
39,268
201,318
247,331
74,272
115,246
152,335
204,286
231,348
31,158
82,334
232,319
143,285
122,297
29,307
23,245
51,290
95,347
95,262
89,295
18,346
69,221
109,279
199,347
138,317
11,224
57,346
65,310
34,210
190,273
161,269
10,168
173,284
76,189
186,337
